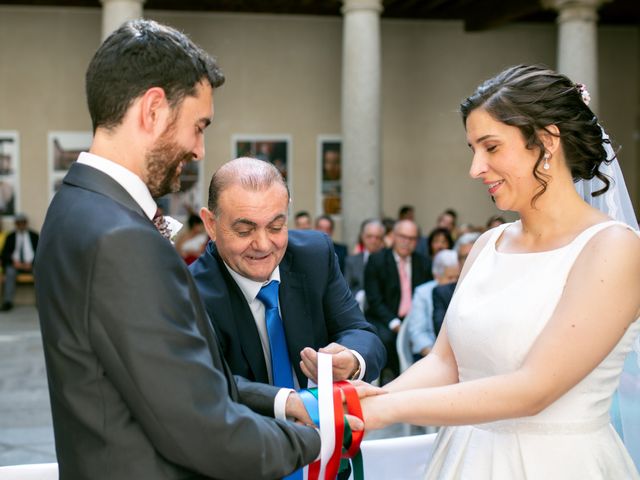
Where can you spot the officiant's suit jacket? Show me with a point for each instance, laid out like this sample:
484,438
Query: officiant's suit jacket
138,387
316,305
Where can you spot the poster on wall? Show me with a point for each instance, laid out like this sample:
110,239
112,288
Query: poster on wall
9,171
275,149
329,175
64,148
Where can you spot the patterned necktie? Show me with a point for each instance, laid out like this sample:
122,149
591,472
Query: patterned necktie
405,289
280,363
161,224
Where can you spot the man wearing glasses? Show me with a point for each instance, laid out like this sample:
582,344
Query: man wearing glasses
390,278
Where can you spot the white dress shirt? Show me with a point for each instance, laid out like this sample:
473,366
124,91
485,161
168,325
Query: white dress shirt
23,243
250,290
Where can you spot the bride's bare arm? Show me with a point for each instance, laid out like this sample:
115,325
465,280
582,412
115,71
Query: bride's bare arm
439,367
599,302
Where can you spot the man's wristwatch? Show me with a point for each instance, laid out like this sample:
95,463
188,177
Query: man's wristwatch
356,373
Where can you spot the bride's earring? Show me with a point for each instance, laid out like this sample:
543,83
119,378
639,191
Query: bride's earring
546,157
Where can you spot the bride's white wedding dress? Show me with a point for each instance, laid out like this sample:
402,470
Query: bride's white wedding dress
494,318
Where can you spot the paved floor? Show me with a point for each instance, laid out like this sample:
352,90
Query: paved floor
26,434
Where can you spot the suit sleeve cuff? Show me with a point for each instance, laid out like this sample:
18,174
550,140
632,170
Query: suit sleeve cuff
280,403
363,366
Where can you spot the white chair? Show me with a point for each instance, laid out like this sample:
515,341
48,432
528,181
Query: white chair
37,471
401,458
403,346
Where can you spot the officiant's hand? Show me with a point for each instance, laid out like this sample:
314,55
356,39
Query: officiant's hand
345,364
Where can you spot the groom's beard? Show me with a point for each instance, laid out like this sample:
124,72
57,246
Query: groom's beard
163,165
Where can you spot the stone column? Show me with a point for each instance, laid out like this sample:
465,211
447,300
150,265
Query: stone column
116,12
361,186
578,42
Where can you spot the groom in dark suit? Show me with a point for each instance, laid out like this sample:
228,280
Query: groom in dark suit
251,247
138,386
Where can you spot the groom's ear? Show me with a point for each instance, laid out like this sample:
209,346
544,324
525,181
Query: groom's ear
209,221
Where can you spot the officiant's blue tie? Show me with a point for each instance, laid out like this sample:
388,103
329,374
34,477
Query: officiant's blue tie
280,363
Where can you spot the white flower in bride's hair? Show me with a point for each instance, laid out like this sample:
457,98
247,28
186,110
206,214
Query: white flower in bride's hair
584,93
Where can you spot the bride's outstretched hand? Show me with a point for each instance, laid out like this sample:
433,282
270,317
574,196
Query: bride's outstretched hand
373,412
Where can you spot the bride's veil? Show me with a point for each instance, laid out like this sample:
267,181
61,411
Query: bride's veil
615,202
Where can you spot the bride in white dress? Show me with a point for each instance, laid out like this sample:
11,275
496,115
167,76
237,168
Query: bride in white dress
546,309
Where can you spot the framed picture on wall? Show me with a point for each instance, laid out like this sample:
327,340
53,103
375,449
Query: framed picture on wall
9,172
64,148
329,175
275,149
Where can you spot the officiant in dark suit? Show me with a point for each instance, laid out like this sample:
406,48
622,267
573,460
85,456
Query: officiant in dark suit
138,386
253,252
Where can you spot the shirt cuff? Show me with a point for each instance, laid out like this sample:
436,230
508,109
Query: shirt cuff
280,403
363,365
396,322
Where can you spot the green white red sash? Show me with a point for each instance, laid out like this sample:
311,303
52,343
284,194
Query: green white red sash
338,441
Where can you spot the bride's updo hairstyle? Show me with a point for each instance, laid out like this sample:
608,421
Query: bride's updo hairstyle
532,97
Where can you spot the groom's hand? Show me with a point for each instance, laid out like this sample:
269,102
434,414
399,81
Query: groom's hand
344,362
296,411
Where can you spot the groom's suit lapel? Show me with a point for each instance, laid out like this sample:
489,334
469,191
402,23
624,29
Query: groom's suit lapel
89,178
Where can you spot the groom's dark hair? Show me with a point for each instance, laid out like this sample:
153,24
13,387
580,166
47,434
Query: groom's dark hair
140,55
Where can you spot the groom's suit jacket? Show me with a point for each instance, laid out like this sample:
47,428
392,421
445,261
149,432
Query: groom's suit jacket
138,387
316,305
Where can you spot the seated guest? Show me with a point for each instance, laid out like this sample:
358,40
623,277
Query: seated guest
420,320
324,223
371,236
390,277
192,240
439,239
442,293
407,212
276,297
448,220
302,220
17,257
494,221
388,231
